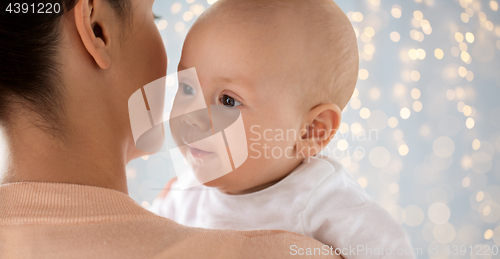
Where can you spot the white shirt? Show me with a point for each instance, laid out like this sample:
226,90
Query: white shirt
319,199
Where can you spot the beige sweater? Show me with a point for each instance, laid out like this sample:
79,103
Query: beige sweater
56,220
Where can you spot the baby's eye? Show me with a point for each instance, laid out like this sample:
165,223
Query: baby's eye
229,101
187,89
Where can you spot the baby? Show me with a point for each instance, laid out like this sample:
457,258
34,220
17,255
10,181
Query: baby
290,67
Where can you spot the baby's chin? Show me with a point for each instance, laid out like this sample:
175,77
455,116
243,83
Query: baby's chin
219,182
224,184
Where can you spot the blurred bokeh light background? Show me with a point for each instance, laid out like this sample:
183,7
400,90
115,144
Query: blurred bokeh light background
422,130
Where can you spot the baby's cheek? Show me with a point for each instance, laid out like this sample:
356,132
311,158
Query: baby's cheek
269,144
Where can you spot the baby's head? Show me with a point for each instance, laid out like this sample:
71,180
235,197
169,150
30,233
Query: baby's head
289,66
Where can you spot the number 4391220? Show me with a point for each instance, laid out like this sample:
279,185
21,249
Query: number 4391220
33,8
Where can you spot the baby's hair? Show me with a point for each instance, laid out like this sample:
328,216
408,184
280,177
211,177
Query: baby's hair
328,59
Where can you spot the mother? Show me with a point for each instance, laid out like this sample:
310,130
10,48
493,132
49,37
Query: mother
64,87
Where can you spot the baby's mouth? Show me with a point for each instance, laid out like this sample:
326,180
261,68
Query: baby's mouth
198,153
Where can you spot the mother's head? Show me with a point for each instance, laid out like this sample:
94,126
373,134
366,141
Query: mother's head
68,79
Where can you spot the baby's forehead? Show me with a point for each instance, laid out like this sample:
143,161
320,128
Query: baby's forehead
302,42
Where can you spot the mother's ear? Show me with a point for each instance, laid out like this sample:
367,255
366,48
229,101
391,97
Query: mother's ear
90,19
320,126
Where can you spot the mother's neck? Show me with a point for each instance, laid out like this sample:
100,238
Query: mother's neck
89,154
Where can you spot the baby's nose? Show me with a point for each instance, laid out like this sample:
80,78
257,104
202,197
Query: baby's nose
198,119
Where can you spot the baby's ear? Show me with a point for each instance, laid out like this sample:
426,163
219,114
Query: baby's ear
319,128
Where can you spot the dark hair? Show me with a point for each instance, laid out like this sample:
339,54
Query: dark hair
29,68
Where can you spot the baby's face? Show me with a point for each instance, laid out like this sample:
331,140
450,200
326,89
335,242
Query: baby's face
242,68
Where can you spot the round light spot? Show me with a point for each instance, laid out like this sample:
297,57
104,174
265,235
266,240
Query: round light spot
374,93
355,103
145,204
493,5
462,71
364,113
369,31
417,106
469,76
476,144
425,130
342,144
379,157
415,93
450,74
459,37
469,37
450,94
188,16
357,17
460,105
346,162
469,123
356,128
439,213
421,54
394,188
486,210
162,25
355,93
403,150
496,235
489,211
443,147
466,162
462,46
466,182
412,53
418,15
363,74
479,196
414,216
465,57
467,110
464,17
405,113
176,8
395,37
131,173
179,26
369,48
489,25
488,234
398,135
444,233
438,53
415,75
481,162
197,9
363,182
396,11
344,127
392,122
399,90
